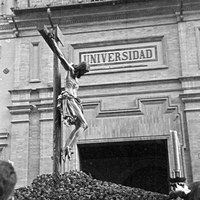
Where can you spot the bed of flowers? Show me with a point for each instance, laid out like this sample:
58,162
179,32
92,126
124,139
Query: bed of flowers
76,185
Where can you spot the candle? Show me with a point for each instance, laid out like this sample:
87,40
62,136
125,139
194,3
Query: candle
176,148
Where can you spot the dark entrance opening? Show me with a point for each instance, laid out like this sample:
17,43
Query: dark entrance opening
141,164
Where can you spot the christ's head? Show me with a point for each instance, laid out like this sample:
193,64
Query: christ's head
81,69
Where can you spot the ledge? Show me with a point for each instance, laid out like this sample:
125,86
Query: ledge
4,135
127,4
190,97
63,7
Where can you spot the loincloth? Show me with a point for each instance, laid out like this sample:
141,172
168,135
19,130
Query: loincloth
66,107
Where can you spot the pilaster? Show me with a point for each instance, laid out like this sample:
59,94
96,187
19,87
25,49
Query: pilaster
192,112
31,133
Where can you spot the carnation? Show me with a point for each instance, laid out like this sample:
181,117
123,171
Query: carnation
77,185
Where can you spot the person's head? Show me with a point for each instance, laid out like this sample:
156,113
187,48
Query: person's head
8,179
81,69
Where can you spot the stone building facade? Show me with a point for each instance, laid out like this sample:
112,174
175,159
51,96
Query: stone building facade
144,82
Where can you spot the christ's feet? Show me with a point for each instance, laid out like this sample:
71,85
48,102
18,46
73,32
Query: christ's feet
67,152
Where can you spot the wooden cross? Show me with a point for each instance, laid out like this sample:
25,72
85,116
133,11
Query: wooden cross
56,33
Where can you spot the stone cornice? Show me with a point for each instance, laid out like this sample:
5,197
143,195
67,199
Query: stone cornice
60,7
96,12
188,78
3,139
131,83
124,4
15,109
19,109
107,85
190,83
4,135
190,97
91,12
191,101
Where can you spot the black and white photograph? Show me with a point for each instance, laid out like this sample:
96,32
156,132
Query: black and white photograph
99,99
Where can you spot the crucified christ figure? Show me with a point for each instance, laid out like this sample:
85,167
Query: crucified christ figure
68,102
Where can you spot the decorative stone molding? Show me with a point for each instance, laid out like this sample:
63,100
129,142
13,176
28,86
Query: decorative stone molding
190,84
3,137
3,144
23,103
138,109
197,34
191,101
118,11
